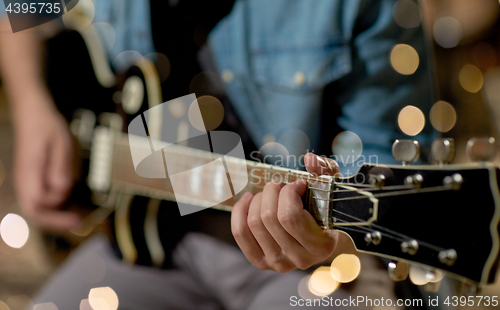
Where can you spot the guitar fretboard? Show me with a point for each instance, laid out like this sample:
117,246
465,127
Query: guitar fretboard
201,178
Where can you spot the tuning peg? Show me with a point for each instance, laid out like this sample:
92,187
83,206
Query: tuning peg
406,151
481,149
398,271
443,150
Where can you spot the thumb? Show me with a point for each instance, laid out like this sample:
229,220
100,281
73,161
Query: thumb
320,165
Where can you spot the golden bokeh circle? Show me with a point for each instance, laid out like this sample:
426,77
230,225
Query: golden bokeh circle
321,282
404,59
3,306
207,115
177,108
103,298
345,268
407,14
471,78
443,116
162,64
418,275
411,120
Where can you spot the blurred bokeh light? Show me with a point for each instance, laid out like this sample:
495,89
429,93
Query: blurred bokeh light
85,305
45,306
19,302
227,76
103,298
347,147
295,137
162,64
443,116
404,59
411,120
303,289
471,78
447,32
321,282
418,275
407,14
177,108
212,113
14,230
345,268
274,153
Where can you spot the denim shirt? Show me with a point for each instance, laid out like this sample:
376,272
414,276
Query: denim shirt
131,21
277,56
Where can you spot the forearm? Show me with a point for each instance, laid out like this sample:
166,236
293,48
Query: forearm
20,67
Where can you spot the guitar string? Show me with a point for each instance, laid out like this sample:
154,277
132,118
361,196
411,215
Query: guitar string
438,188
298,176
402,237
311,180
319,180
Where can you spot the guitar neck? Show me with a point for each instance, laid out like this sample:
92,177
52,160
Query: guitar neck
198,178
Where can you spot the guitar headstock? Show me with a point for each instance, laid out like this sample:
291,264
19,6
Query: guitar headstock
442,217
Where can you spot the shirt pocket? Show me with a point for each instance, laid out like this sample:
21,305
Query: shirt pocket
305,65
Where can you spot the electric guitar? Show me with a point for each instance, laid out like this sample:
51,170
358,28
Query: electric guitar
443,217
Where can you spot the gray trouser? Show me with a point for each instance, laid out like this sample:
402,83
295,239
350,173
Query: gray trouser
209,275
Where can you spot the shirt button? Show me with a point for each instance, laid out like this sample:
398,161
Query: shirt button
227,76
299,78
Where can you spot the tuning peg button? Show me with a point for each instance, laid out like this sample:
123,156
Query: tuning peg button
406,151
481,149
398,271
443,150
